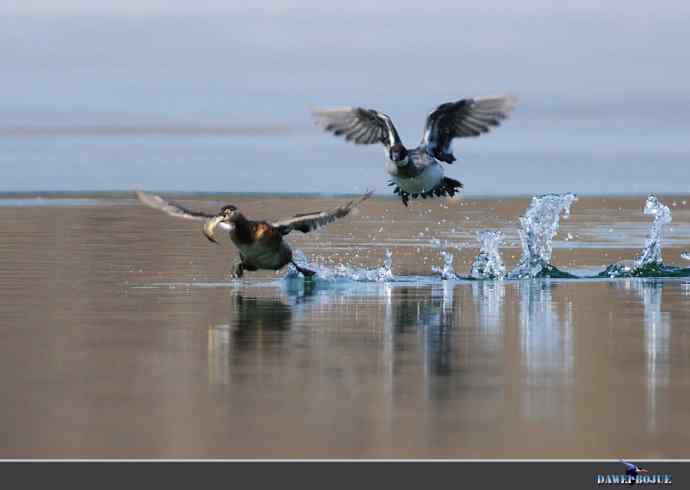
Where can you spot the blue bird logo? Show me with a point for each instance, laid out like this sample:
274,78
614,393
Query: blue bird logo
633,470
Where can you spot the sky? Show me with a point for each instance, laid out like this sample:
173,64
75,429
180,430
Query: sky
546,7
153,94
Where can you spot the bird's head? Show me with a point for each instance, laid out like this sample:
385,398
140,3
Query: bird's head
397,153
228,214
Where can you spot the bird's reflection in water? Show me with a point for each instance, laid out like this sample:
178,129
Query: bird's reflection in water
450,338
262,325
439,322
406,308
256,324
546,346
418,327
464,341
424,310
453,331
258,321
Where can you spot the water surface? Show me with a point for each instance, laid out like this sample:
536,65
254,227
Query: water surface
123,337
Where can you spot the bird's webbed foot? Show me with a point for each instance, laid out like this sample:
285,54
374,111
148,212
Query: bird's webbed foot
238,271
404,195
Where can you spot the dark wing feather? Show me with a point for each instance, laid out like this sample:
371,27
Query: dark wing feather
171,208
466,117
307,222
359,125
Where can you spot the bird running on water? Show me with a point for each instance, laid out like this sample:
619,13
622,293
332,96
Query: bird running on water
418,172
260,243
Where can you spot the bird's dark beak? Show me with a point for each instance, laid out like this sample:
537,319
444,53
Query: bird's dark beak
210,227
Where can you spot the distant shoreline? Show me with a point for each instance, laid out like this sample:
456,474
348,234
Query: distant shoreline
213,195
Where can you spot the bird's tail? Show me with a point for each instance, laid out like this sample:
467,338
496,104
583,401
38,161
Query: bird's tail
449,186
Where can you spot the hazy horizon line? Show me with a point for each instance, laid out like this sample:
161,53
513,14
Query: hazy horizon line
140,129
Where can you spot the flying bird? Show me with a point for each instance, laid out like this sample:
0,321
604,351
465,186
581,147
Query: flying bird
418,172
260,243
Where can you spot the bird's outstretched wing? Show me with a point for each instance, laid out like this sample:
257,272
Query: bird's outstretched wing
171,208
359,125
629,466
466,117
307,222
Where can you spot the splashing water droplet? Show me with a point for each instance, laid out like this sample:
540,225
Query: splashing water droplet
649,263
446,271
385,272
651,254
538,227
488,264
343,271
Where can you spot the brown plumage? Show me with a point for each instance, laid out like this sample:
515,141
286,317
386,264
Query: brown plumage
260,243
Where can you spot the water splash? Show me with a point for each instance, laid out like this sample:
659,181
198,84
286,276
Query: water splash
447,272
385,272
344,271
538,227
649,263
488,264
651,254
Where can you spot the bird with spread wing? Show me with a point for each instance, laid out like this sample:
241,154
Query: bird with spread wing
418,172
260,243
633,471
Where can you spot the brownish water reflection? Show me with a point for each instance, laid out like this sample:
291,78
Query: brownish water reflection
121,343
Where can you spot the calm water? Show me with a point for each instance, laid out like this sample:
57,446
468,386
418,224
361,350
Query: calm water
123,337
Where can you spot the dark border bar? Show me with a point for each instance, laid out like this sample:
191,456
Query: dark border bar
324,475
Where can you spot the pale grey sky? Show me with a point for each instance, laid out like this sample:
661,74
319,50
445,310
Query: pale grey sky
638,8
605,92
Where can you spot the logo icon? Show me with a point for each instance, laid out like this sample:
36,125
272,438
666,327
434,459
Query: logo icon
634,475
633,470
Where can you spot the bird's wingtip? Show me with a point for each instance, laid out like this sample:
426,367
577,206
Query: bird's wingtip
148,199
508,101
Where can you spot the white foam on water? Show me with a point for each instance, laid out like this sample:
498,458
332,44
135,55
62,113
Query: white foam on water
344,271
